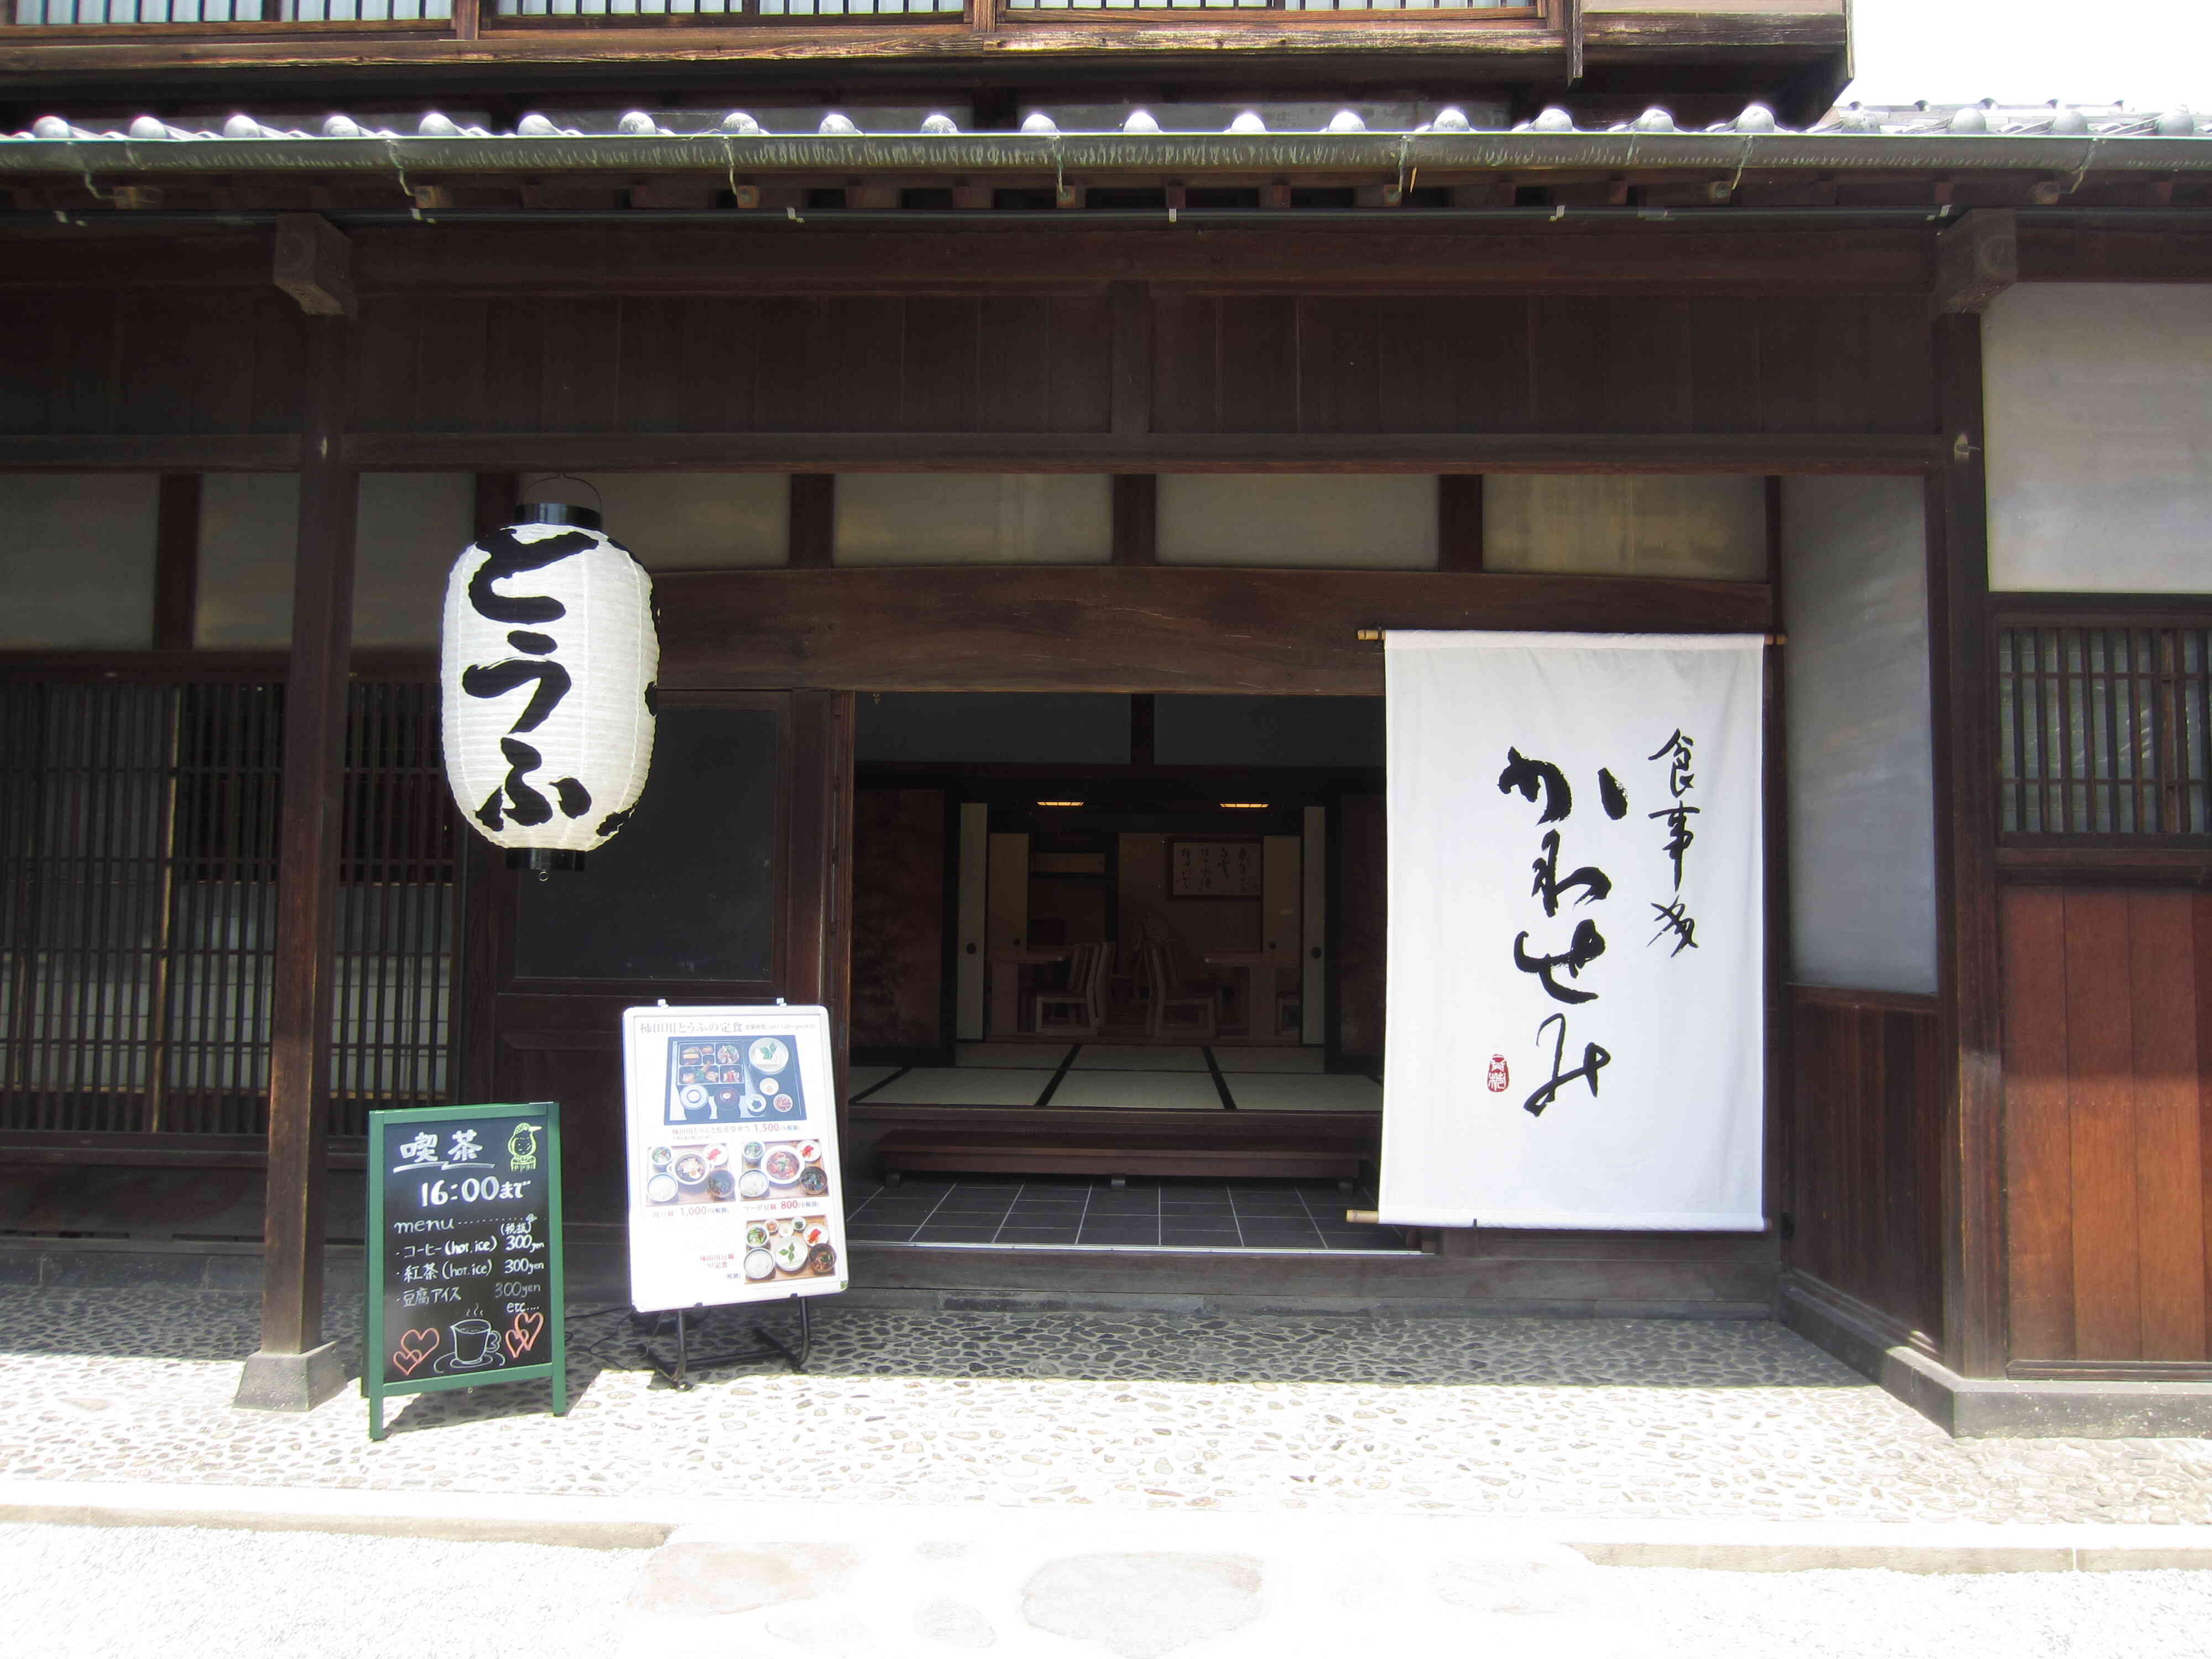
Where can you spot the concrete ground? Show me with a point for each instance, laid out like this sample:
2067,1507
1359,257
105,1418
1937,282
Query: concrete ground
1228,1587
1359,1418
1068,1484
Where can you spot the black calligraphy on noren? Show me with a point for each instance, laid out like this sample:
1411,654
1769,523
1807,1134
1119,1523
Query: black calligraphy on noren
1679,751
1550,883
1531,776
1594,1059
1586,947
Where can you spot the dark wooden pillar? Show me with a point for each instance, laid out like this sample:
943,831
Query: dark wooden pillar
1966,865
295,1370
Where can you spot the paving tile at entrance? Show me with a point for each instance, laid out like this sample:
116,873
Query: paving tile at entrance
1019,1056
1150,1090
1233,1060
1107,1057
1263,1093
970,1087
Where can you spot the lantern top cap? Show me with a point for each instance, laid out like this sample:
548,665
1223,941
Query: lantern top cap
567,513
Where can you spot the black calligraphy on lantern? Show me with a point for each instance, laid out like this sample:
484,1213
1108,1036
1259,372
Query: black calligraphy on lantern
1560,971
506,554
1675,922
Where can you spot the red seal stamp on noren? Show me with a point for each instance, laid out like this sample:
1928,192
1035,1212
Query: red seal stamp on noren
1499,1077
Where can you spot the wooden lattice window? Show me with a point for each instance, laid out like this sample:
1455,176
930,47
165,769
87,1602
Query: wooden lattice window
138,906
2103,730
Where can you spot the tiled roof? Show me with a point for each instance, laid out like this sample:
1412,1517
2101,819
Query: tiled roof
2060,139
1917,120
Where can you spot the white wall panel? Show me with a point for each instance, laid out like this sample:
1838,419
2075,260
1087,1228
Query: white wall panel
691,520
1658,525
978,517
1345,521
2097,409
1861,780
76,562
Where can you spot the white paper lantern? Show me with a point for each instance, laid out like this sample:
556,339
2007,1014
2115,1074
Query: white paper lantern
547,668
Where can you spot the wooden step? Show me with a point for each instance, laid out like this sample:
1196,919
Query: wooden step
1048,1152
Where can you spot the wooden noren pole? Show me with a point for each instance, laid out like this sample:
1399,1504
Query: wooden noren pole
309,836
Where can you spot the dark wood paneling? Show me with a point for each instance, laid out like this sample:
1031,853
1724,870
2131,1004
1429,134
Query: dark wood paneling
1568,363
153,362
2108,1098
1362,926
1125,628
899,918
1865,1115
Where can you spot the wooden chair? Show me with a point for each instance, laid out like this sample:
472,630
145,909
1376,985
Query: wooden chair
1083,1001
1169,992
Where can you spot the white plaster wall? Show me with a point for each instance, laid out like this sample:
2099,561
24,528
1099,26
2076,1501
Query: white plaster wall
973,518
1713,528
1346,521
691,520
2098,408
408,530
77,563
1861,803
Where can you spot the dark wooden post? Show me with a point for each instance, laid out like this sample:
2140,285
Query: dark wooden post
1966,865
294,1368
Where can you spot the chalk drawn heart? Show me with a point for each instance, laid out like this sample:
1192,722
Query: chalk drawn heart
414,1348
523,1335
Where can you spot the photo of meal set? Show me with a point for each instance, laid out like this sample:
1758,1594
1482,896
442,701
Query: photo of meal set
734,1081
721,1171
789,1247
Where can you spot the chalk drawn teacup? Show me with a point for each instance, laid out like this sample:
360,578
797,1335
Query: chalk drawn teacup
475,1342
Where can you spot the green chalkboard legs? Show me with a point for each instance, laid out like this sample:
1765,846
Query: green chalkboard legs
467,1283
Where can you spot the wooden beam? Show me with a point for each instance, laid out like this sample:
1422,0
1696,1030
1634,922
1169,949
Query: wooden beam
1459,521
1976,260
1056,451
176,561
1968,955
294,1368
1136,518
813,518
313,264
498,502
1571,25
148,451
754,257
1109,628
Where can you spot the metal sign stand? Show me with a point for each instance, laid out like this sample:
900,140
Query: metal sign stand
770,1347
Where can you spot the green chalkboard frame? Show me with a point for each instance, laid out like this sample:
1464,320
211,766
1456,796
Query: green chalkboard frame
555,1369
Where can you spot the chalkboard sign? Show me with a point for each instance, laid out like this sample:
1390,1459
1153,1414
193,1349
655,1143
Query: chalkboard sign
465,1272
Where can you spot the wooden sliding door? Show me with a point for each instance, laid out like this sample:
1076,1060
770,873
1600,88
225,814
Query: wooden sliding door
729,886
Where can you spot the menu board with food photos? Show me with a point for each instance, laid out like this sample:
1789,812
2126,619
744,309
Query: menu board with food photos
464,1268
734,1194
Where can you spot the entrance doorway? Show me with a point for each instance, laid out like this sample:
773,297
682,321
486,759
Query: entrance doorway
1100,940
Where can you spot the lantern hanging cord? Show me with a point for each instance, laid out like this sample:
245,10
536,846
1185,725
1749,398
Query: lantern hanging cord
556,477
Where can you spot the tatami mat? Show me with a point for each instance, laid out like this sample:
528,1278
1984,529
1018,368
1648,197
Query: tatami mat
970,1086
858,1079
1017,1056
1234,1060
1176,1091
1306,1094
1108,1057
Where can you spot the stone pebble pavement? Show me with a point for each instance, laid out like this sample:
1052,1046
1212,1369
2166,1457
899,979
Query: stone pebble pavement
1590,1419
